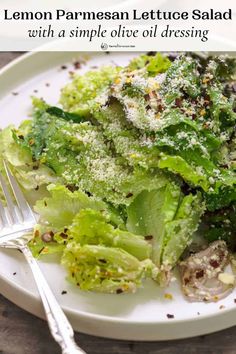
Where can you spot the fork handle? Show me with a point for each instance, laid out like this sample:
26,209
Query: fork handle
58,323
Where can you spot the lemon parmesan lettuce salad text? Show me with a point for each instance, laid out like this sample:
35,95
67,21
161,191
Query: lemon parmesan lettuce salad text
129,166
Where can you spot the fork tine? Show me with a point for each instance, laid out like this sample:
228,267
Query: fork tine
24,207
10,205
3,217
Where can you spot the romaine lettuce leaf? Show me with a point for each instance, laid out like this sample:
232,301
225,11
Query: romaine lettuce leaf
61,207
150,212
180,230
154,64
221,225
32,177
178,165
181,77
94,228
168,218
80,95
104,269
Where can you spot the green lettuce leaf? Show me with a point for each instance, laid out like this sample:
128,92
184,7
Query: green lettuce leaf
221,225
93,227
154,64
104,269
179,232
149,213
32,177
45,241
177,164
80,95
168,218
61,207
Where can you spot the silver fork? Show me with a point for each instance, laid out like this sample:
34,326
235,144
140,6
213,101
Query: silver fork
17,220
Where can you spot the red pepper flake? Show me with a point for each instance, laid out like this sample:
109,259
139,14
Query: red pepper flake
31,142
160,108
178,102
103,261
148,237
64,292
146,97
77,64
214,263
63,235
199,273
186,281
72,188
170,316
40,251
129,195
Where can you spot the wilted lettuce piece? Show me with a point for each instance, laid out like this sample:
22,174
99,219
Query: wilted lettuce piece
104,269
94,228
61,207
79,96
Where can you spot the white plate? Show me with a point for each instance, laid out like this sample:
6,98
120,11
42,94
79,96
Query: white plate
140,316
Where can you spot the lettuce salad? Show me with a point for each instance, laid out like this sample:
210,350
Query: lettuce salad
129,166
